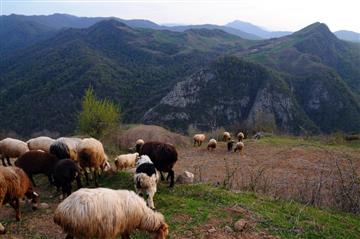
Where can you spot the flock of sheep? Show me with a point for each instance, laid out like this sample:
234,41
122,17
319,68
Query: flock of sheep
97,212
239,146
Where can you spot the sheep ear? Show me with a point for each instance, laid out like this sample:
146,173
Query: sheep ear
35,194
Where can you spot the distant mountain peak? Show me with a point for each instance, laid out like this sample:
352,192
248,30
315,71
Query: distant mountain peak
316,27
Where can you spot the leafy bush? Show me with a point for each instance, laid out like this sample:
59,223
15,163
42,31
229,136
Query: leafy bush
97,115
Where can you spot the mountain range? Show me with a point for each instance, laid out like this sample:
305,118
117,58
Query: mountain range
302,82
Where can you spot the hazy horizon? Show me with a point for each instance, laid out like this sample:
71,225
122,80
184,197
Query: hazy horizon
277,15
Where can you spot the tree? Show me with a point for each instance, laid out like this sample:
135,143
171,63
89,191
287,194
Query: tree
97,115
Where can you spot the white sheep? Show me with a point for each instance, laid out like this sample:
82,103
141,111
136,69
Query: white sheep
146,178
40,143
124,161
240,136
12,148
106,213
71,142
239,146
91,155
199,139
226,136
212,144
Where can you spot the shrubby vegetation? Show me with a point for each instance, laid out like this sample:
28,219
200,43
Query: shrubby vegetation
97,115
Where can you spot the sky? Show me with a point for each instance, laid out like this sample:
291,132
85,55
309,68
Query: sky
284,15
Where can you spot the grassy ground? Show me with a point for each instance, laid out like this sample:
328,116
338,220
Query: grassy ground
192,210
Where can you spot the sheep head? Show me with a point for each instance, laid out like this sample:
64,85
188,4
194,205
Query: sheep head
162,232
33,197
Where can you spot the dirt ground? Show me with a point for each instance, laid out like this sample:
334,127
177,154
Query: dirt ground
304,173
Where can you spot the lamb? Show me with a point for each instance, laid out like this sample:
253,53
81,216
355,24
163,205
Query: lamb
40,143
199,139
62,151
226,136
106,213
139,143
91,155
212,144
37,162
124,161
12,148
164,157
146,179
65,172
239,146
240,136
14,185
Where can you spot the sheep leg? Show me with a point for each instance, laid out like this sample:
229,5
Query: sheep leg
86,177
32,180
78,181
15,204
68,189
69,236
162,176
3,161
8,160
96,178
125,235
50,180
150,200
171,174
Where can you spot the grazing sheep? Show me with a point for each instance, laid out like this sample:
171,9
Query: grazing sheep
71,142
199,139
65,172
230,145
15,185
139,143
106,213
91,155
124,161
146,179
212,144
12,148
239,146
62,151
164,157
37,162
226,136
240,136
40,143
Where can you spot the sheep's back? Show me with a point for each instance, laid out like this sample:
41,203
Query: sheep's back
36,161
96,212
13,147
164,156
16,180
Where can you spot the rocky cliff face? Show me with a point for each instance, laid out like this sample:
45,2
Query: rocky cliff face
231,92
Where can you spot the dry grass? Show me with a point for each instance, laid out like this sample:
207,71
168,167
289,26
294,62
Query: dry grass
150,133
309,174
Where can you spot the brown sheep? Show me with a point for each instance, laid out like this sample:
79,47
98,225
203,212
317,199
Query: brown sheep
226,136
37,162
91,155
240,136
14,185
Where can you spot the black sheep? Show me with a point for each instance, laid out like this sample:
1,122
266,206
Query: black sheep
60,150
37,162
66,171
164,157
230,145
